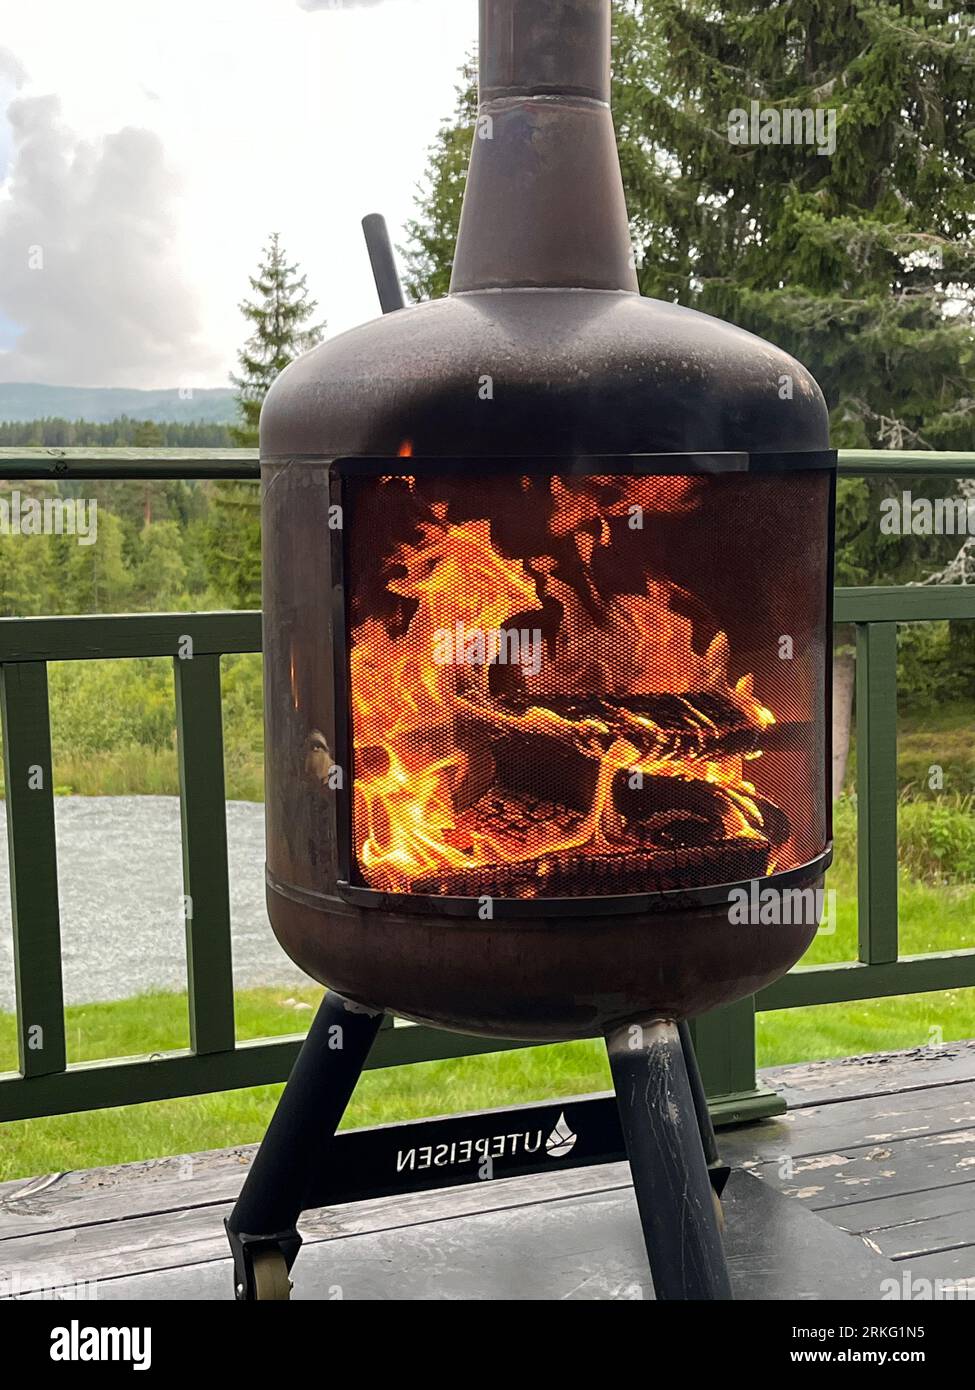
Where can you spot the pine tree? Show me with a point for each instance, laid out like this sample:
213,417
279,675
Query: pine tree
148,435
233,543
861,261
95,578
159,574
279,314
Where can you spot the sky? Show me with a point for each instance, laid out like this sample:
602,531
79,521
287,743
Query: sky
149,147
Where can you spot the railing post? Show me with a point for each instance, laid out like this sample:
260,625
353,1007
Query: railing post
206,885
724,1041
33,868
876,736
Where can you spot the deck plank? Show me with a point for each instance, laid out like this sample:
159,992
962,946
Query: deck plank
194,1235
859,1122
852,1173
581,1247
955,1266
879,1073
931,1235
889,1213
877,1150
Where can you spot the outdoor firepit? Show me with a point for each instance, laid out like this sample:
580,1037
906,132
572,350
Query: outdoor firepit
546,571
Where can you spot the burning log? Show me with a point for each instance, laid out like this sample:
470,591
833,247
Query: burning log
702,725
632,871
546,768
684,811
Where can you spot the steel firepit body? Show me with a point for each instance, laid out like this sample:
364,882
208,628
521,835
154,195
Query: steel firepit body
547,651
543,369
584,381
527,948
526,415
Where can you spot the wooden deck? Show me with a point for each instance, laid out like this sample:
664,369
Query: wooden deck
869,1177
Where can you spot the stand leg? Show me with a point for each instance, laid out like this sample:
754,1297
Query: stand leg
718,1171
263,1225
663,1135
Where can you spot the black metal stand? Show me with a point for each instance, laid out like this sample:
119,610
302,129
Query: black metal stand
263,1225
670,1143
669,1138
718,1171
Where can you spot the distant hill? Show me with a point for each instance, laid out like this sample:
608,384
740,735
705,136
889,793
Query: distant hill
21,401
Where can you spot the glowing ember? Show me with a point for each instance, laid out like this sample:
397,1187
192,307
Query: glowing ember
611,751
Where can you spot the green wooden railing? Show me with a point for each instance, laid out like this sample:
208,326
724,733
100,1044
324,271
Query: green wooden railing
46,1084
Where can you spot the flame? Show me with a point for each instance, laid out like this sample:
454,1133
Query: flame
618,696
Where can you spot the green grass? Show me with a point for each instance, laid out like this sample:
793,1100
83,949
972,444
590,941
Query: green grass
397,1093
942,737
141,771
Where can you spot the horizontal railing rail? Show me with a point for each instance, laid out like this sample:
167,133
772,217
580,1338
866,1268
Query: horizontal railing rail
49,464
52,462
46,1083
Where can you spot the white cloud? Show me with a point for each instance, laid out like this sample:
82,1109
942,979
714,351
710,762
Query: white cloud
88,249
11,69
12,78
266,117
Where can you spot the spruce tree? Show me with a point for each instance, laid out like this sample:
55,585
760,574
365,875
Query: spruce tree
279,314
860,261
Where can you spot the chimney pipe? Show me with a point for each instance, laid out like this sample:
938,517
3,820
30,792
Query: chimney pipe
544,204
545,48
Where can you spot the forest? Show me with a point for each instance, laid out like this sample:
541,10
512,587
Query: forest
161,546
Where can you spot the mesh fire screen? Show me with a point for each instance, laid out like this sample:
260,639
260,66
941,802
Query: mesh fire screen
573,685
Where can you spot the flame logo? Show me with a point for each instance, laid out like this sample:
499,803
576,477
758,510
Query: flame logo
562,1140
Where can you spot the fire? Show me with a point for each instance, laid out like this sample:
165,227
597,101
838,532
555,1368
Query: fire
609,747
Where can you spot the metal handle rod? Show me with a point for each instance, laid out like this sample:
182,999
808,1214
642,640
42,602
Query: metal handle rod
383,264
